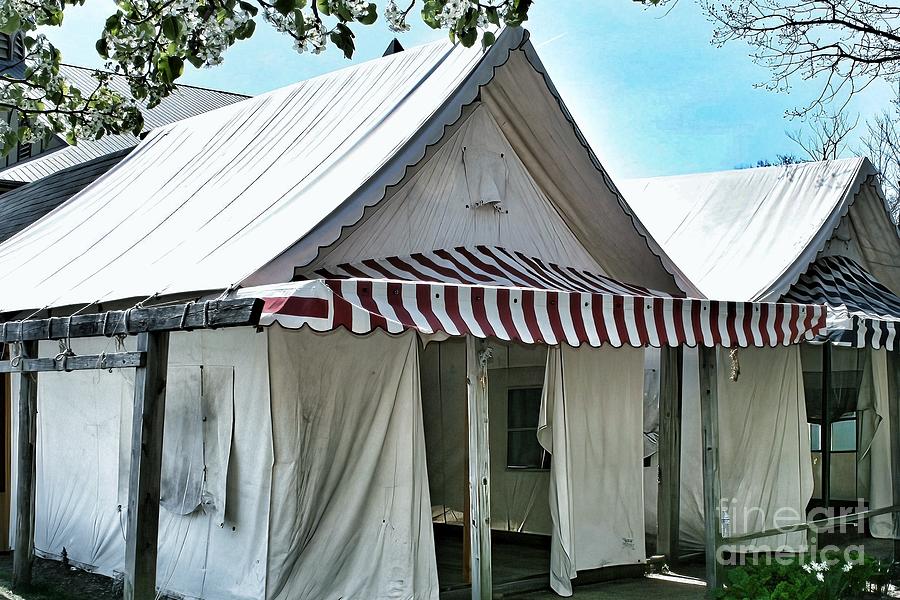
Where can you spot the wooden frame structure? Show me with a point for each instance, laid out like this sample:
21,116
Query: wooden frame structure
668,500
478,352
152,326
715,538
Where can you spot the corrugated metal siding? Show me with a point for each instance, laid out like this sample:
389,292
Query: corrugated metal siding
186,101
25,205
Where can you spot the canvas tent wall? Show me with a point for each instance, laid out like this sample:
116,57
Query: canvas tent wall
252,500
814,232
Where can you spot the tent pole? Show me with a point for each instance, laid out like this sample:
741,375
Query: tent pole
893,365
709,411
669,497
23,555
477,355
146,463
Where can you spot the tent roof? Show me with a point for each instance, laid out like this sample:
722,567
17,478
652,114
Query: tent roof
749,234
215,200
185,102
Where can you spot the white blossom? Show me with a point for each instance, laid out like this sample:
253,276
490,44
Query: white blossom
395,17
452,12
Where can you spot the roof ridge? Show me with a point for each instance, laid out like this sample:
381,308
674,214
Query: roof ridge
748,169
180,85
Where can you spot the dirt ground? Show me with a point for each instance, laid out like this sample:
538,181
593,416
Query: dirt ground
55,581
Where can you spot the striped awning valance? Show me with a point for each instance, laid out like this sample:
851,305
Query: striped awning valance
483,265
861,311
560,305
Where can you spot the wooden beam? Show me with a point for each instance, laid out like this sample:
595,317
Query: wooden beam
814,525
893,367
148,419
712,494
176,317
477,352
669,452
23,555
116,360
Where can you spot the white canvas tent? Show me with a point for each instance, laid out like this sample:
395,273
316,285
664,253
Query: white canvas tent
812,232
437,192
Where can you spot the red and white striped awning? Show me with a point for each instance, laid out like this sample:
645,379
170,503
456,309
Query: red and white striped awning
491,292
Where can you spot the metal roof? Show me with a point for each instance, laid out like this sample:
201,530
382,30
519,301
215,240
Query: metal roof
186,101
25,205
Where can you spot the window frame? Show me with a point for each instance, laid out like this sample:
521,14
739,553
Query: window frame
545,456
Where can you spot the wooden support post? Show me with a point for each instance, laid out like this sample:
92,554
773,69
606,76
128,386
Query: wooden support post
825,436
23,556
467,521
712,494
669,496
477,354
893,367
146,463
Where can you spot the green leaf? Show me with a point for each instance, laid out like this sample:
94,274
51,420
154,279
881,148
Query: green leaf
299,23
169,68
284,6
250,8
102,48
493,16
342,37
11,25
195,60
430,11
53,18
113,24
323,7
344,13
172,27
468,37
488,39
371,15
246,30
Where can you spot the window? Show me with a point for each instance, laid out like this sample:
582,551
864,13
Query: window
815,437
23,152
523,411
843,436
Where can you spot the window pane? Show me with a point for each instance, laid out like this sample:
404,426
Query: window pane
523,450
523,407
843,436
815,437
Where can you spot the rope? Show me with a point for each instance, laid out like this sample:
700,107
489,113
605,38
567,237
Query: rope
184,314
65,346
101,362
735,364
16,353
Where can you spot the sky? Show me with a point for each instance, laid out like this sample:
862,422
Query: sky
651,94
